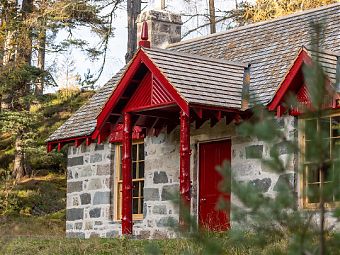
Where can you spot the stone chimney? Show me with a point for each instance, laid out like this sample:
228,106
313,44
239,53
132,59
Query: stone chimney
164,27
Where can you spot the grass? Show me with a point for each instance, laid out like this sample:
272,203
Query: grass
40,246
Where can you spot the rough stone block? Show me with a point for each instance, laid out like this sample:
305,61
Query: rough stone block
170,192
166,222
151,194
254,151
113,233
159,209
78,225
158,234
261,185
285,180
85,198
76,161
104,169
94,235
96,158
69,174
74,214
74,187
88,225
144,234
75,234
69,226
160,177
86,171
95,213
94,184
101,198
99,147
283,148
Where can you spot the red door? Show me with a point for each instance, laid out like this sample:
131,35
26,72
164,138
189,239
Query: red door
212,154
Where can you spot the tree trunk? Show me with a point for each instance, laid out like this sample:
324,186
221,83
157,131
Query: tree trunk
133,9
19,168
23,54
39,87
212,16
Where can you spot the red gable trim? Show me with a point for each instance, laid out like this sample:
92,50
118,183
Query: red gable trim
139,59
302,58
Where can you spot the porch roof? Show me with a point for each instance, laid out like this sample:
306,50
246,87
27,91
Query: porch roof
198,80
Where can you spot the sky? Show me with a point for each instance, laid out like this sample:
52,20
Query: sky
117,44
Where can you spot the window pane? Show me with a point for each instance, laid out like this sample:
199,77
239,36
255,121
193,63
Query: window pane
141,152
336,148
135,190
310,152
313,174
141,169
134,152
120,172
134,170
313,193
336,126
141,205
311,127
325,127
142,189
135,206
328,172
328,192
326,148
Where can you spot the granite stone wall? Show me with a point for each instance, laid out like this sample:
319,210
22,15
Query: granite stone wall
89,185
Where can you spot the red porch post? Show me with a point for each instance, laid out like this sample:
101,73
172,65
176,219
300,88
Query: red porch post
126,174
184,165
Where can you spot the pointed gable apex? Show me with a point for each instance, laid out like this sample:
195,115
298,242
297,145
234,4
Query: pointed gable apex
152,89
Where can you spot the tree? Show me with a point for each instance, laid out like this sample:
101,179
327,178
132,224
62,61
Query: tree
133,10
31,28
268,9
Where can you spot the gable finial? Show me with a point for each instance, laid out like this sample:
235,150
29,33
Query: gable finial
144,42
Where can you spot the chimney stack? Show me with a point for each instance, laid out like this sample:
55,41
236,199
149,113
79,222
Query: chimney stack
164,27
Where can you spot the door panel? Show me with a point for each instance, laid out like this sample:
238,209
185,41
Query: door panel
212,154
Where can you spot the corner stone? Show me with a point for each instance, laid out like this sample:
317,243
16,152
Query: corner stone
76,161
74,214
74,187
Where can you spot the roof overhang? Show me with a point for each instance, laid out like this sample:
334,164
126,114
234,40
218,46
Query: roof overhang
293,83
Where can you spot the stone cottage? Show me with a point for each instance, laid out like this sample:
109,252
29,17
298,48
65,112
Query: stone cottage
163,122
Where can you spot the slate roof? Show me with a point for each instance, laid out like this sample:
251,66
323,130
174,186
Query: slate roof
270,47
201,80
83,122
